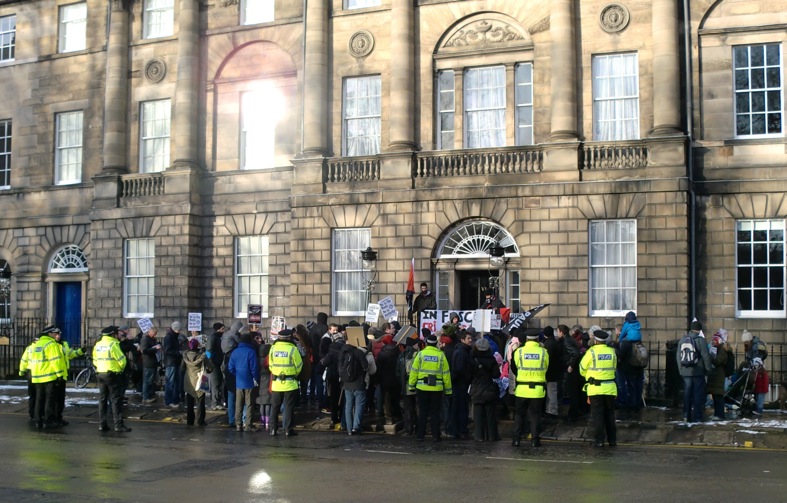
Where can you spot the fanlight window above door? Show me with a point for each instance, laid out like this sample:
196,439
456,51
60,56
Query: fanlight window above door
68,259
474,239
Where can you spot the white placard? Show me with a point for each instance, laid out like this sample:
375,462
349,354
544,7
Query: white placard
372,313
278,323
388,308
482,320
144,324
195,322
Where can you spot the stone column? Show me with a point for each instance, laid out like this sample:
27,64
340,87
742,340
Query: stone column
116,91
316,102
563,65
402,133
666,68
185,117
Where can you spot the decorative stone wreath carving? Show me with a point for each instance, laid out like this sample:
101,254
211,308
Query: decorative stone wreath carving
361,44
614,18
227,3
483,32
155,70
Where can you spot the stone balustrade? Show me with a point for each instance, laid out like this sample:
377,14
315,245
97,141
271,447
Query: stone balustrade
352,169
142,185
614,155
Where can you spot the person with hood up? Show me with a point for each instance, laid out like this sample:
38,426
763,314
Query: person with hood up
243,366
484,392
195,364
229,341
632,330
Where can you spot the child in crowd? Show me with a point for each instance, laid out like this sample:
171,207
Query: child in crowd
760,384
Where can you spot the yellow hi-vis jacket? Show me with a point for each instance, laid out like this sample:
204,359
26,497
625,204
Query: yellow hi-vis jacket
46,363
430,361
69,354
531,361
107,356
598,368
27,357
285,364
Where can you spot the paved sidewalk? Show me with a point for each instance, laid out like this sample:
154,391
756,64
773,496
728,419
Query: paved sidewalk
651,426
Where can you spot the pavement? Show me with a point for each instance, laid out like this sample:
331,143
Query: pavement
650,426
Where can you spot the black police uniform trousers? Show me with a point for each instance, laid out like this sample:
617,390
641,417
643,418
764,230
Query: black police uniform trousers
45,403
602,418
60,398
429,404
527,415
288,399
110,393
31,398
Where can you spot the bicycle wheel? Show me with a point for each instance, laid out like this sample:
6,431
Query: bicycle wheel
84,377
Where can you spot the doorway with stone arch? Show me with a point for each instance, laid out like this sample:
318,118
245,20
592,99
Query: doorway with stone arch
66,279
463,270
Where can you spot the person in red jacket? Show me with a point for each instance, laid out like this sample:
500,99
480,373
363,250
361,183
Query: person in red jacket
760,384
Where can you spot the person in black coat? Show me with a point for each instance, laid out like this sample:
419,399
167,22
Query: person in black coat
554,370
484,392
572,354
460,380
387,360
216,356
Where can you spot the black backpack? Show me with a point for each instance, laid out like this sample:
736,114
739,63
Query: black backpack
729,367
639,356
349,369
689,355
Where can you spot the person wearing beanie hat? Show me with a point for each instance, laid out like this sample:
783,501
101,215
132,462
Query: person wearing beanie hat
694,365
598,367
215,354
484,392
760,384
110,363
430,378
528,369
719,354
243,364
554,371
631,330
196,364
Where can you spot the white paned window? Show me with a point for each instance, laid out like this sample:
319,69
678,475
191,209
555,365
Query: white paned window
442,290
615,97
154,136
523,77
514,292
758,90
68,148
7,37
446,109
485,107
362,115
258,129
73,27
139,278
349,278
613,267
359,4
251,274
256,11
159,18
5,154
760,268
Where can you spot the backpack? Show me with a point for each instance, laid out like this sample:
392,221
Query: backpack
639,356
349,369
689,356
729,367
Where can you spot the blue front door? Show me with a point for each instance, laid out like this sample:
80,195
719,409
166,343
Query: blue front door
68,311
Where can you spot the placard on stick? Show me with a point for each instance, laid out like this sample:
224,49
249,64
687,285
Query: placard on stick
195,322
254,314
355,337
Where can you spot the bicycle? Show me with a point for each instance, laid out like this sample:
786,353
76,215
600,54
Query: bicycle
86,375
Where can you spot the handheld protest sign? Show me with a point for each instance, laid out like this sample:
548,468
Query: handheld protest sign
405,332
254,314
195,322
355,337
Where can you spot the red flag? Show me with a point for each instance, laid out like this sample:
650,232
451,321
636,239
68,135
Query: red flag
411,285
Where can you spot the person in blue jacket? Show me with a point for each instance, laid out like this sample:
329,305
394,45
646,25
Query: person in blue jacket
243,365
631,331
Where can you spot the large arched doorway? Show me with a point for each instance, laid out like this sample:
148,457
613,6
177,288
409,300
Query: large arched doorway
67,277
462,263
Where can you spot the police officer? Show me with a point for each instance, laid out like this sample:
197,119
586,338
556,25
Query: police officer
46,369
60,385
430,377
285,365
110,363
529,365
598,368
24,371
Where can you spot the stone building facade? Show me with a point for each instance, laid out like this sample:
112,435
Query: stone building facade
162,157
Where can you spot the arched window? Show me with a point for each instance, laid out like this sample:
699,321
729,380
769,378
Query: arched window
68,259
475,238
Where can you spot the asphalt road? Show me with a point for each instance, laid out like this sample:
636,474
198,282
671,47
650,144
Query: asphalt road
169,462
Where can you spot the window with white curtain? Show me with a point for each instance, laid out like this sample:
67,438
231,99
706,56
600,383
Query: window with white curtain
613,267
159,18
154,132
252,267
615,97
760,268
73,27
349,278
258,129
362,115
138,278
485,107
68,148
359,4
7,37
758,90
446,109
256,11
5,154
523,80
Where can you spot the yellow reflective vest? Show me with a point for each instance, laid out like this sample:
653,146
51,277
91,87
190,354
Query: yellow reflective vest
69,354
598,368
46,363
430,361
107,355
27,358
531,362
285,364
